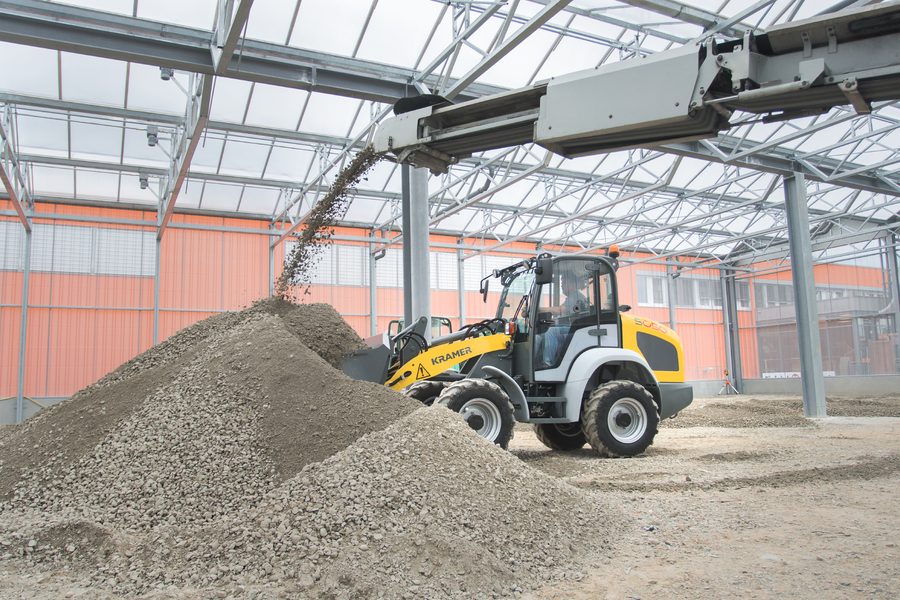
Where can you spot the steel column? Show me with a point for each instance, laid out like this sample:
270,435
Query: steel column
894,282
726,320
23,328
737,370
670,284
271,269
373,290
461,285
156,293
812,378
416,246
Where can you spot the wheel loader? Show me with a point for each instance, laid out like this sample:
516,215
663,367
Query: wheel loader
560,354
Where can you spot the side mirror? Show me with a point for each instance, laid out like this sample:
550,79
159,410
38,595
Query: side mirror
543,272
484,289
624,308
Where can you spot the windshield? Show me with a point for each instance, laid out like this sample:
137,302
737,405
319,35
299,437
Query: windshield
516,287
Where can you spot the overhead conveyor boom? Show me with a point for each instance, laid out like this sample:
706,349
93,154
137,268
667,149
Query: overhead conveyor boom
689,93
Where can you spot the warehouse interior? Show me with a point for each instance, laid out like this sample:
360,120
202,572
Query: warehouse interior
158,158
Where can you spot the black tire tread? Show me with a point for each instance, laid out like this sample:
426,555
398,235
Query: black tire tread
425,390
592,406
480,388
548,434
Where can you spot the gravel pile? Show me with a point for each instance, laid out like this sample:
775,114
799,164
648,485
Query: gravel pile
776,411
253,468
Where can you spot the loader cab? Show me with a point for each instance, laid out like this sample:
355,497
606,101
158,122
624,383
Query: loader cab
559,315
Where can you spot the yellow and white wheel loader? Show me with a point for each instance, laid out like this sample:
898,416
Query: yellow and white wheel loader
560,354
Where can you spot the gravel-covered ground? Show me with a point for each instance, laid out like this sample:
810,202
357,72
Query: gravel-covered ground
235,461
738,505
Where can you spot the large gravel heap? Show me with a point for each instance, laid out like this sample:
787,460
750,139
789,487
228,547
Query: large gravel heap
234,460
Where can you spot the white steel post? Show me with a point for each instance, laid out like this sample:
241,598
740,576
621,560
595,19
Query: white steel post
812,378
23,329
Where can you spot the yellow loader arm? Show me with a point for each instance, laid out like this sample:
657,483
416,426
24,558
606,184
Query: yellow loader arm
438,359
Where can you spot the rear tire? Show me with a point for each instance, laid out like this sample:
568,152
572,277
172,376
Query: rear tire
426,391
484,406
560,436
620,419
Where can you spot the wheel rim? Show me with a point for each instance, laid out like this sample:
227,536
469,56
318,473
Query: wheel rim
627,420
482,416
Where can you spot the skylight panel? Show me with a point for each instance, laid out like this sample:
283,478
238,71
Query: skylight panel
46,135
364,210
277,107
220,196
93,139
189,197
96,185
398,30
290,164
244,157
93,80
137,152
515,69
270,20
121,7
229,101
329,25
130,189
58,182
208,153
329,115
147,91
258,200
29,71
196,13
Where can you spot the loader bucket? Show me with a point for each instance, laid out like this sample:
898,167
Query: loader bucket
370,364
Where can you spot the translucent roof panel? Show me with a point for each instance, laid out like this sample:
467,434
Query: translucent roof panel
40,78
147,90
96,185
92,80
265,143
316,29
43,134
273,106
196,13
244,157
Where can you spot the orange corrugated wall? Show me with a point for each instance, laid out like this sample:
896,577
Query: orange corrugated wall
203,272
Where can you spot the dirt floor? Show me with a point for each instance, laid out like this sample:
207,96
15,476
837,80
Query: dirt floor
741,497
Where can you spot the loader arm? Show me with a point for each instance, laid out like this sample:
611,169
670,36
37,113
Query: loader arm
439,358
794,70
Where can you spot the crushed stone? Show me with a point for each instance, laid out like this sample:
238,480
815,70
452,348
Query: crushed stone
251,467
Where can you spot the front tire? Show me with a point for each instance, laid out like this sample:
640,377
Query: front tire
484,406
560,436
426,391
620,419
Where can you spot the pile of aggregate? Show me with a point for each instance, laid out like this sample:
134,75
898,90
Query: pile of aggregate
778,411
255,469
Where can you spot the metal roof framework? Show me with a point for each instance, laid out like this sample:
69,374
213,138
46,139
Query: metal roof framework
254,113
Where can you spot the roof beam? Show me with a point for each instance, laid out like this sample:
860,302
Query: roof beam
542,16
227,34
15,186
686,13
95,33
198,115
778,162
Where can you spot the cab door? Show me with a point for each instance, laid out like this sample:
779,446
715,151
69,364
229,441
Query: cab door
575,312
